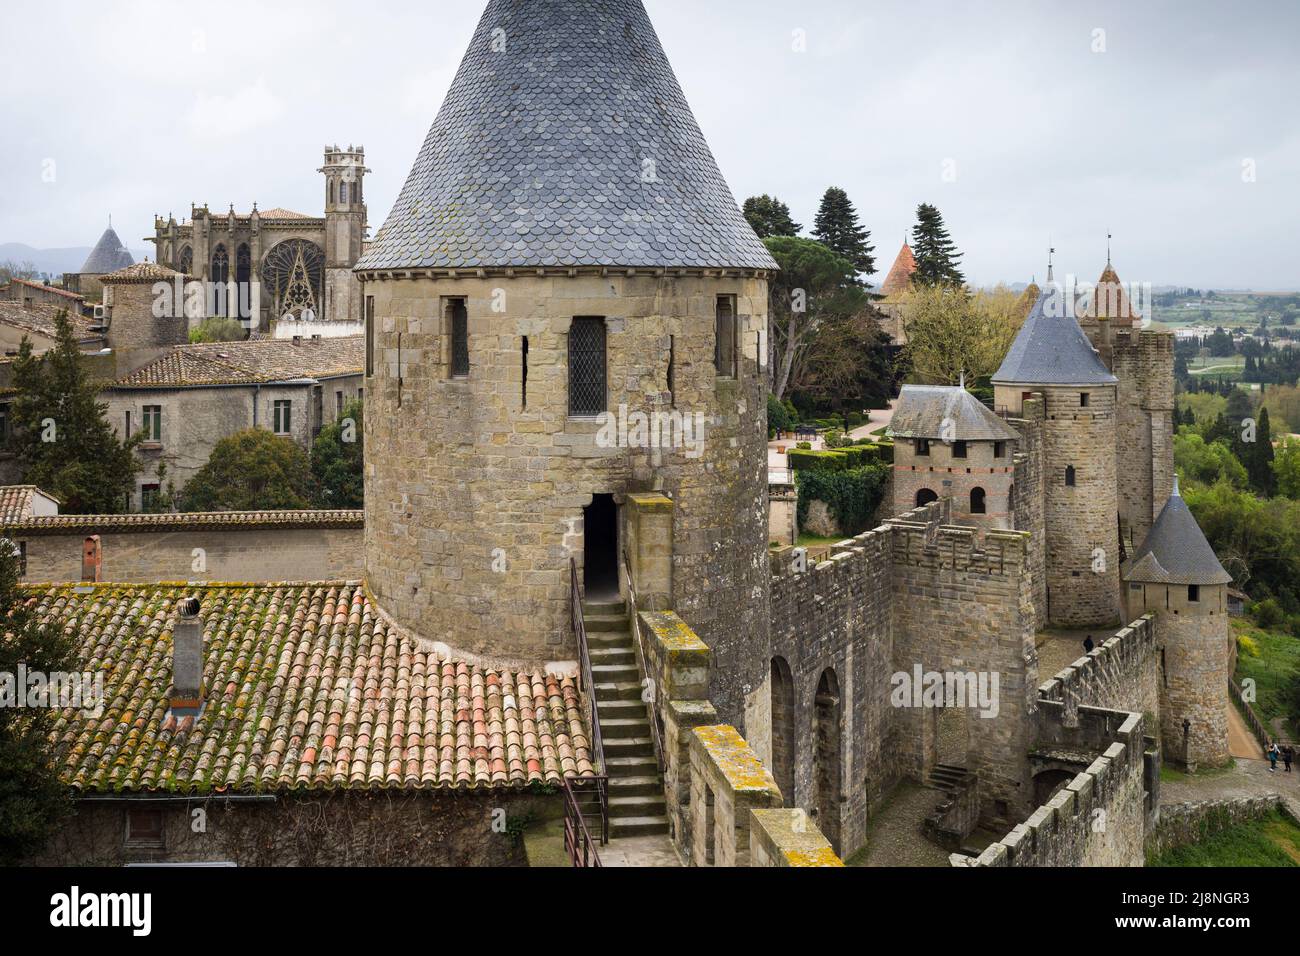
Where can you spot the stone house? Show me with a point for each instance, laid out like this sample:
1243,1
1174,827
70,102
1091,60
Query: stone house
289,725
195,395
26,292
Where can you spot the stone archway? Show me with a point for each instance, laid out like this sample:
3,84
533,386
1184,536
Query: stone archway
827,772
1047,782
924,496
783,745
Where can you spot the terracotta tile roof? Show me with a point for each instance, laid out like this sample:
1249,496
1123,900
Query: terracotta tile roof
16,502
1108,300
140,273
899,279
186,521
278,212
305,689
253,360
39,318
48,288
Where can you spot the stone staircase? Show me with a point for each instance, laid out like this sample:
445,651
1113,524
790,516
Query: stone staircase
636,793
947,777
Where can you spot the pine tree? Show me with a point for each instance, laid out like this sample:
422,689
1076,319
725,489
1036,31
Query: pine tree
837,227
1258,458
936,254
61,436
770,217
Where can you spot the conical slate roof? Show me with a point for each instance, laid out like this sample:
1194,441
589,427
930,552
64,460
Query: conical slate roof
900,273
109,255
1051,349
565,141
1175,551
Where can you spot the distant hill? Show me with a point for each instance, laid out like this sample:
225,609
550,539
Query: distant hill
54,262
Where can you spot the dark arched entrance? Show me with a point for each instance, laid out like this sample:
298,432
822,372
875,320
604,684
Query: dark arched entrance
826,761
924,496
783,753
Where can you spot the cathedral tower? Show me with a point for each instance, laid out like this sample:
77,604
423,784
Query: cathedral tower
1052,356
564,259
1176,574
345,228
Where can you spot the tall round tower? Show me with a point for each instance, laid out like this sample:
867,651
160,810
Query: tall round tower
566,313
1052,356
1176,574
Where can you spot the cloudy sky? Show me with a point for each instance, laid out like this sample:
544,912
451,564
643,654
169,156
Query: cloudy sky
1172,125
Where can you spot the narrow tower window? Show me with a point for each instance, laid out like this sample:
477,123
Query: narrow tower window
1193,592
724,350
459,337
1069,476
1083,399
977,506
523,369
370,335
587,366
672,397
343,194
923,446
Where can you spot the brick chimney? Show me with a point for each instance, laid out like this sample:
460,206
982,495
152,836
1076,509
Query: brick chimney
91,559
187,659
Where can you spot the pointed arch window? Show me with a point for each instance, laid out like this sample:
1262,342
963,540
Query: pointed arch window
220,265
186,261
343,194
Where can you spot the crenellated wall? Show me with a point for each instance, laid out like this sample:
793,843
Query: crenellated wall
1123,672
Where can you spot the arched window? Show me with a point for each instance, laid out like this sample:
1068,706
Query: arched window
977,506
343,194
924,496
186,261
220,265
331,192
1069,476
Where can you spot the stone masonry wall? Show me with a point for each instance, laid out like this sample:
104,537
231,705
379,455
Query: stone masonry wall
1122,673
1081,520
475,487
1184,823
244,554
329,829
1028,491
962,606
1144,364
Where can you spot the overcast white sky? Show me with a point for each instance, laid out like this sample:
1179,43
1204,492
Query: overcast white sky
144,106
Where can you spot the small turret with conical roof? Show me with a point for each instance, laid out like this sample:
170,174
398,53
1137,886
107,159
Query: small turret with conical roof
1176,575
565,255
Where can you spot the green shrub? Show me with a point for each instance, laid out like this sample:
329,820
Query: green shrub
853,495
1268,614
803,446
779,418
817,460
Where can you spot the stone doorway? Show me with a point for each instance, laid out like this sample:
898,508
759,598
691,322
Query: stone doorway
783,729
600,549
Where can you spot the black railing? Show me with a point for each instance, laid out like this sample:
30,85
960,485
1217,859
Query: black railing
578,843
600,779
643,659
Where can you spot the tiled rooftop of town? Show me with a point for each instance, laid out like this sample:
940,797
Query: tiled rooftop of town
305,688
251,361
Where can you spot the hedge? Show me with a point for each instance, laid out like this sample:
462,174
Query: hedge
853,495
841,459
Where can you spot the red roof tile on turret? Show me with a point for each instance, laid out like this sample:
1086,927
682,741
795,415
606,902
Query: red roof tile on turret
899,279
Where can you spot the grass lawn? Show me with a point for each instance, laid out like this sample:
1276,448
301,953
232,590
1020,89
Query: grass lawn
1273,840
810,540
1272,660
1170,774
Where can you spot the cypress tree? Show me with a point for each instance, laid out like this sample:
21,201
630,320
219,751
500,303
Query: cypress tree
936,254
837,228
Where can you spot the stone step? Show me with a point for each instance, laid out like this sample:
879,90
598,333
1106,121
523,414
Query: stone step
611,689
620,728
622,709
638,786
631,767
636,806
615,673
612,655
627,746
597,639
637,826
604,622
605,608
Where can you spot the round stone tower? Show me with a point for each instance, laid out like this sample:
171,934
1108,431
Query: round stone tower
1176,574
566,320
1052,356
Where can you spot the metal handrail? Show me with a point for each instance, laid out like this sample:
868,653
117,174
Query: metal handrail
578,843
589,685
643,659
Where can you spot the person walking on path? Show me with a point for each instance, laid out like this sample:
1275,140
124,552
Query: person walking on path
1088,645
1287,754
1272,757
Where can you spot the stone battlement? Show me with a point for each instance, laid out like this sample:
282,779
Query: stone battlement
1115,673
1095,819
